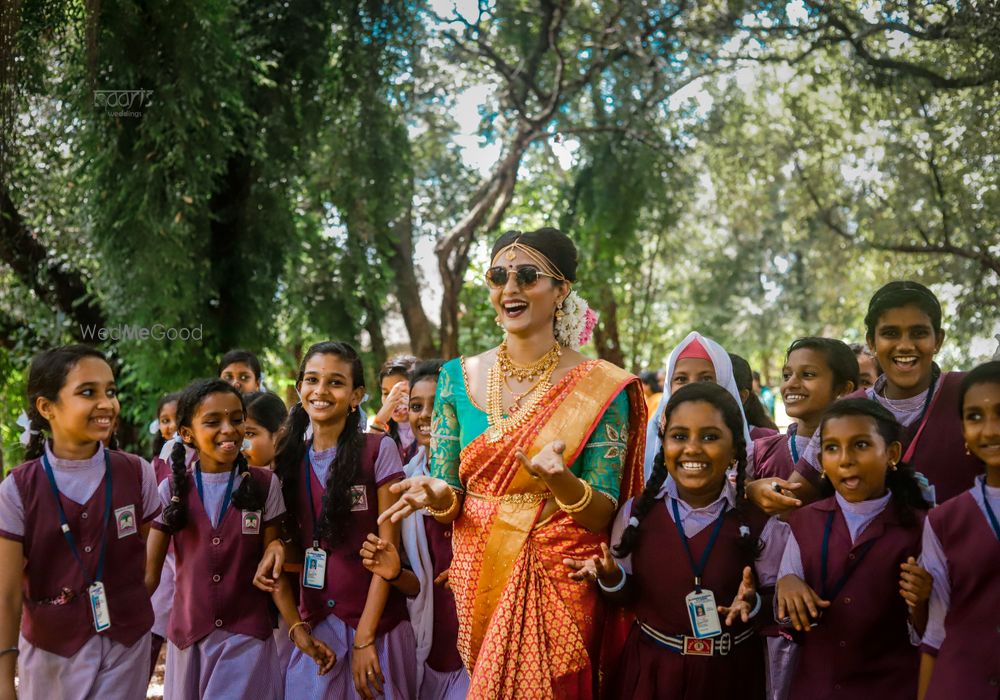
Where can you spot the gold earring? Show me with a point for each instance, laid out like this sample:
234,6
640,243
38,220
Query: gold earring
892,466
967,449
822,475
496,320
559,311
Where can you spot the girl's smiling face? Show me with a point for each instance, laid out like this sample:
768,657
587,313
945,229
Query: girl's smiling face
904,342
807,387
981,422
86,407
856,457
691,370
168,420
217,429
698,449
422,409
260,453
326,389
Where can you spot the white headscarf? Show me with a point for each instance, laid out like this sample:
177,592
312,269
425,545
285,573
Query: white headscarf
723,377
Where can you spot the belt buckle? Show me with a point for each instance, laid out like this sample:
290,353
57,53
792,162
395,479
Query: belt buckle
725,644
698,647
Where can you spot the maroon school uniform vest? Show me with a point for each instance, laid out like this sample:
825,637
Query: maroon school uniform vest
940,451
757,432
662,575
968,662
443,656
215,569
861,647
347,580
772,458
51,567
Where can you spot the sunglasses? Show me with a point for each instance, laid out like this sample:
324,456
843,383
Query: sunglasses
526,276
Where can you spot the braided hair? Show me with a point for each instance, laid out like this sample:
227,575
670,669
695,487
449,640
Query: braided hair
46,378
247,496
907,496
722,400
338,497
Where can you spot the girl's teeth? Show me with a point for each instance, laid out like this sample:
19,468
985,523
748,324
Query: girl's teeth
693,466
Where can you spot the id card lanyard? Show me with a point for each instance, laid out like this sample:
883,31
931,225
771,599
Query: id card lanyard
702,609
793,431
95,587
225,499
989,510
314,565
831,593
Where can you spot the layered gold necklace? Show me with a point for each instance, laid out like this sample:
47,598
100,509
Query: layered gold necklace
539,372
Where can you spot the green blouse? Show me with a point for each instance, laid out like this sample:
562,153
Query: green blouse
458,421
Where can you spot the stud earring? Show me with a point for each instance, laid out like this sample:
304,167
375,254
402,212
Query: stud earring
892,466
967,449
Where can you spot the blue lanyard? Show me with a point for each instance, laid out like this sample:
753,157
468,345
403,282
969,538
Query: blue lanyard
989,511
830,594
64,524
225,499
698,569
793,431
309,493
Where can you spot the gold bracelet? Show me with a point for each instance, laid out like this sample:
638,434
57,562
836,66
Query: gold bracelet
363,646
445,512
585,499
297,624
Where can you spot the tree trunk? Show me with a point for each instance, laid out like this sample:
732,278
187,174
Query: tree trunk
606,337
57,286
408,290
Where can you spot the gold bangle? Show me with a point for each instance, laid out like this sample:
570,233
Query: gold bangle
444,512
363,646
585,499
297,624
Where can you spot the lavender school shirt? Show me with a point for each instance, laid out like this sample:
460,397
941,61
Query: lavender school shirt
215,491
77,480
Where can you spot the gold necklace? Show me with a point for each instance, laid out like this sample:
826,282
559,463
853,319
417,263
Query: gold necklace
542,365
500,425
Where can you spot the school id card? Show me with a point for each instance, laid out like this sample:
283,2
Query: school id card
99,606
703,613
314,568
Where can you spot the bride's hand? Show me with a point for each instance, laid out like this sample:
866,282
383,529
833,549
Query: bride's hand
417,492
548,463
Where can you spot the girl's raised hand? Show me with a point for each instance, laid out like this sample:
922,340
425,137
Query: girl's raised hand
417,492
602,566
314,649
744,601
380,557
915,583
798,602
270,567
547,463
398,396
773,496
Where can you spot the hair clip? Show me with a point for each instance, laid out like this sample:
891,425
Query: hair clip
175,499
633,521
744,531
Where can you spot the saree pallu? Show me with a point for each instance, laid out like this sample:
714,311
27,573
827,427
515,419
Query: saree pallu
526,630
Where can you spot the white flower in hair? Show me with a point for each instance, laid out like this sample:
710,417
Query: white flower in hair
574,328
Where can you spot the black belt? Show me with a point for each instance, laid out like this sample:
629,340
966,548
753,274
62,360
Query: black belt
693,646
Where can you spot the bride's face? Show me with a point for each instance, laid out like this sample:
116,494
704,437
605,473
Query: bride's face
526,302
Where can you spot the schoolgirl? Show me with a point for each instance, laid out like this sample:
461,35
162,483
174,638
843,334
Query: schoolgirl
427,545
336,485
73,521
849,583
961,550
266,413
166,421
760,422
684,549
695,359
219,516
242,370
393,418
816,373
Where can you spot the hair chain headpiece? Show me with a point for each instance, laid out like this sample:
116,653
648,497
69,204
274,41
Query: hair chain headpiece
509,252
